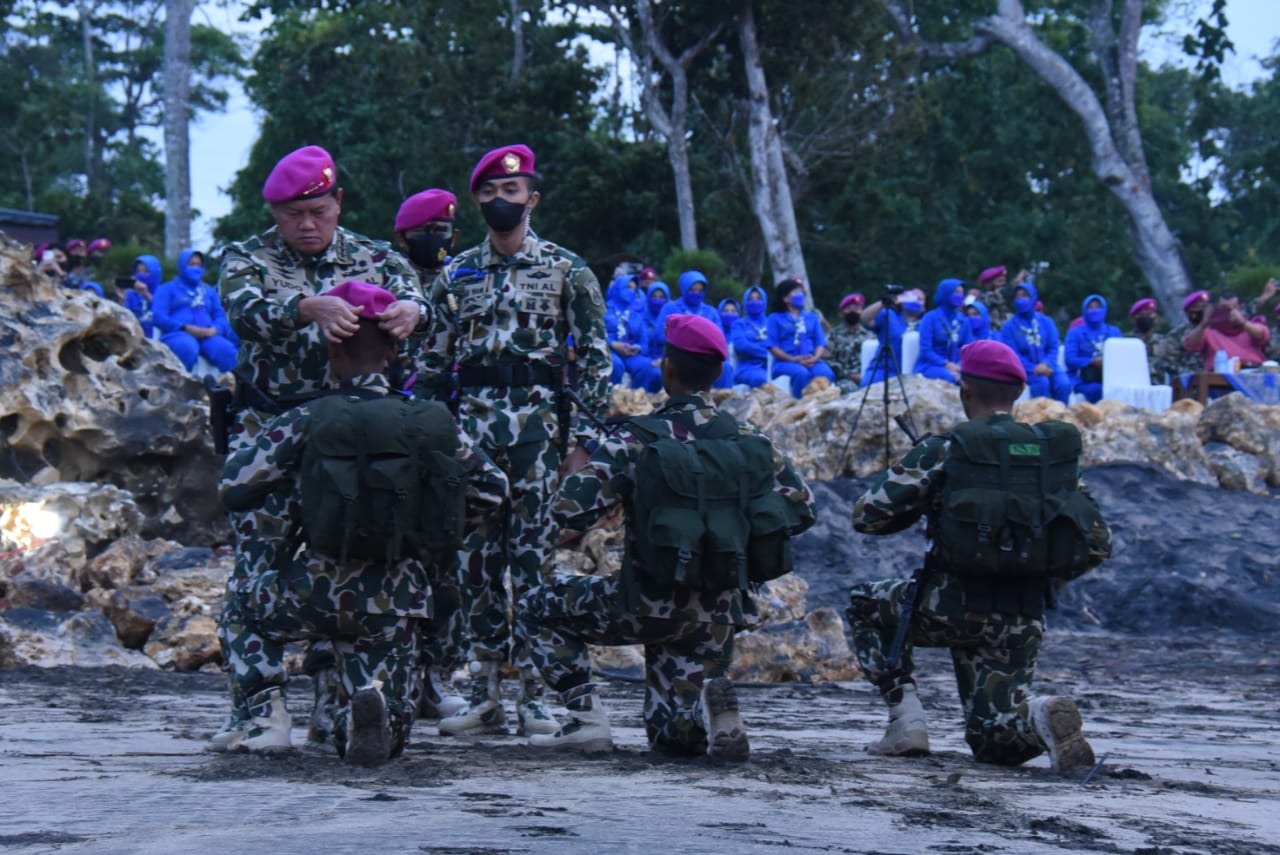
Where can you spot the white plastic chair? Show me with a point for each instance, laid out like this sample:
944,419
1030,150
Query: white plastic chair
1074,397
869,349
910,350
1126,376
783,382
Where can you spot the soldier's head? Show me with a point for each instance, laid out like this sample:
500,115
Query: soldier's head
505,186
370,348
993,278
991,378
693,356
1195,305
305,199
424,228
1143,314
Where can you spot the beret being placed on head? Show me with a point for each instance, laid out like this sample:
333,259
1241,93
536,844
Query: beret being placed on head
1193,297
300,174
850,299
371,299
1141,305
421,208
506,162
696,334
100,245
992,360
991,273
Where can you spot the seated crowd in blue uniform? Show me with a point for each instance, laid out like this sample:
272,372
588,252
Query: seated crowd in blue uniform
790,341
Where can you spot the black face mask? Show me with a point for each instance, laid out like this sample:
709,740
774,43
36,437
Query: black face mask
1144,325
852,319
1195,317
428,250
501,215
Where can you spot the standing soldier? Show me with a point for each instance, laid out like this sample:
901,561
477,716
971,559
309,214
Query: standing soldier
424,230
987,574
275,283
515,317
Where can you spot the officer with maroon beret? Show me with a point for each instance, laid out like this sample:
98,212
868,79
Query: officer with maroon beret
511,315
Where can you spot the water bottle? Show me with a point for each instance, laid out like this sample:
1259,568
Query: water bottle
1220,363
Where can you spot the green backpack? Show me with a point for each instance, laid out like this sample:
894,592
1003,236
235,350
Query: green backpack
380,481
1011,502
705,514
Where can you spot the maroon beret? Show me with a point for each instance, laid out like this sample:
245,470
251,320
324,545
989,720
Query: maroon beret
100,245
421,208
850,299
1144,303
300,174
506,162
991,273
992,360
372,299
696,334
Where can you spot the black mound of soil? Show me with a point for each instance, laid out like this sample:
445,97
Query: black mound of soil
1186,558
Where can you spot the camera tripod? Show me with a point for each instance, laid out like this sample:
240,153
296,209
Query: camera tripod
885,358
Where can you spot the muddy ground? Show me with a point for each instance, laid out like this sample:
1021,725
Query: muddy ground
109,761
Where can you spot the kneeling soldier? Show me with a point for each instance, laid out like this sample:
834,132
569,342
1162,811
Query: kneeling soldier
378,485
709,506
1008,523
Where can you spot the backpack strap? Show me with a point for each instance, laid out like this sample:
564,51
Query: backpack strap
1038,531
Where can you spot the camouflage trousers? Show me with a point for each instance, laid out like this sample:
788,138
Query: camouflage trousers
512,547
276,608
994,657
559,619
445,642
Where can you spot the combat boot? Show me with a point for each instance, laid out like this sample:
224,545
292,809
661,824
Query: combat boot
531,714
326,684
269,724
907,734
483,712
726,734
587,728
231,732
437,699
1056,720
368,733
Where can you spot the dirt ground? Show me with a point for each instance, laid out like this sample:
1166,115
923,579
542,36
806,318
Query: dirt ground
110,761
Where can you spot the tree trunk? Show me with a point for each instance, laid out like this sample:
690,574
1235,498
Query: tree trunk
1156,250
91,171
177,118
774,208
517,37
678,154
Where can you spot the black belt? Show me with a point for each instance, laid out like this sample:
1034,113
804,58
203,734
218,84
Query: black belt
517,374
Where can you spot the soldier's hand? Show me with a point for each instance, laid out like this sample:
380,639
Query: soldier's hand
336,317
1269,290
400,319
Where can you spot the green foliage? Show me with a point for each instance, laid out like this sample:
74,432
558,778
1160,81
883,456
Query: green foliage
1248,281
74,131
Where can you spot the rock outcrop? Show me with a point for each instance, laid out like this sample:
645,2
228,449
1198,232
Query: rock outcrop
85,397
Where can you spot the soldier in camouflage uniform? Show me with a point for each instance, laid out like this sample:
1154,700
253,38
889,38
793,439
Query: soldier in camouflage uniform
1171,359
424,231
1143,314
997,295
511,314
844,345
690,707
370,613
275,282
994,652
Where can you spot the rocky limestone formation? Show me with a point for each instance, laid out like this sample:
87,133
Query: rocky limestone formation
1233,443
84,397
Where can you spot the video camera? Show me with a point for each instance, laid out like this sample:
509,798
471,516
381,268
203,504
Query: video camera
889,296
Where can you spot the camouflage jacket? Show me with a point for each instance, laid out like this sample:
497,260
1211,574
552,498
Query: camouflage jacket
520,309
844,350
1171,358
608,479
912,488
269,471
1152,341
264,280
998,302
